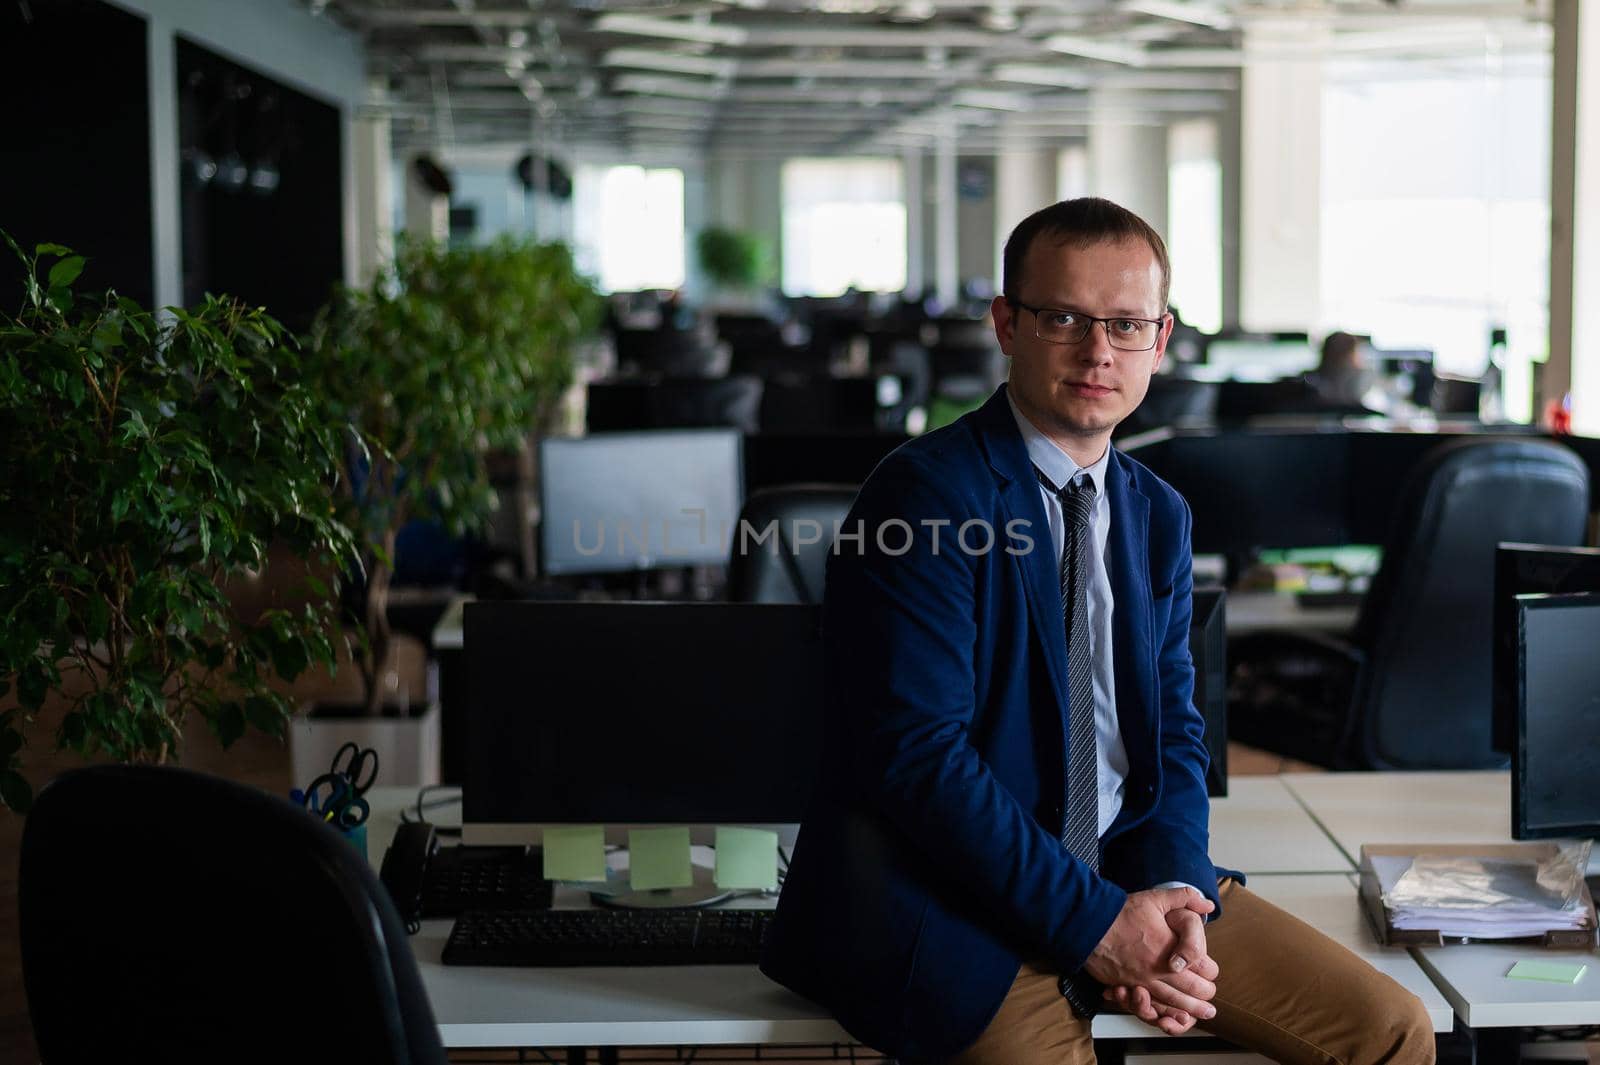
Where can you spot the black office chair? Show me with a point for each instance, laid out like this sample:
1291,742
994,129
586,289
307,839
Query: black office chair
1171,400
777,568
175,917
1410,689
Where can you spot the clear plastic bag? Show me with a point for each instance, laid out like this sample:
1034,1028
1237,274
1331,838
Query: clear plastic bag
1489,897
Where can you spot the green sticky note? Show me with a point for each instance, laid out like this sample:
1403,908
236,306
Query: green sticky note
659,858
1554,972
575,852
747,858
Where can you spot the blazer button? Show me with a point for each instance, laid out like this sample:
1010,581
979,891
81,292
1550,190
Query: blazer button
1151,788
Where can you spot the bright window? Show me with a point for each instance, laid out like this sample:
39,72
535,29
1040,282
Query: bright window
628,226
1435,210
844,226
1194,222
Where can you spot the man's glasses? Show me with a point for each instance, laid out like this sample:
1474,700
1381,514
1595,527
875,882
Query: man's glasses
1056,326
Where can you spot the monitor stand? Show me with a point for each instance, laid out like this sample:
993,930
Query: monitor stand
704,892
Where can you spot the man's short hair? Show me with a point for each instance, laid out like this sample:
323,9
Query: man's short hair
1080,223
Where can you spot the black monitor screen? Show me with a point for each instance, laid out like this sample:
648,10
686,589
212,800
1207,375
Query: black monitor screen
1522,569
1251,490
1208,645
628,501
1556,760
632,712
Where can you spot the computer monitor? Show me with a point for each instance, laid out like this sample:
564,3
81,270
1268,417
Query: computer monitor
1556,755
1264,359
613,502
1208,645
631,713
1524,569
1252,490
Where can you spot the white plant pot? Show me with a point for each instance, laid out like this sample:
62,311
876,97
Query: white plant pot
408,747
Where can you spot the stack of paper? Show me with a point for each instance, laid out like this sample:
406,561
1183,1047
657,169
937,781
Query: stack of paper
1484,898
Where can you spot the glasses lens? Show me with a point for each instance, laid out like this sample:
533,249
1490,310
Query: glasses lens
1132,334
1062,327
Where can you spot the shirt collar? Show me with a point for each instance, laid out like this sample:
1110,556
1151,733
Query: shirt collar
1054,463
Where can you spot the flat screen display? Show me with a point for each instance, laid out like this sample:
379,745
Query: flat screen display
611,502
1555,774
637,712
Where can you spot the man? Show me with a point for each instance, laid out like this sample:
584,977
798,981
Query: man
1010,827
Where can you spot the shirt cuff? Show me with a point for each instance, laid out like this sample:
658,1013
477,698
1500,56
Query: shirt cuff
1182,883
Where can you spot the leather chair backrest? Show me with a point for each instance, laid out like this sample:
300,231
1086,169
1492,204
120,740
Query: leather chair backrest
168,916
788,565
1423,700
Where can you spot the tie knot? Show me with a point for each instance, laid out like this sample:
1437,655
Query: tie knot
1076,496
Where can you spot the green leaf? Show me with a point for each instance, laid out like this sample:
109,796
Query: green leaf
74,730
229,723
15,792
65,272
51,249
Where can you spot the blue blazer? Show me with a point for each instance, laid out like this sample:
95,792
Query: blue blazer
929,864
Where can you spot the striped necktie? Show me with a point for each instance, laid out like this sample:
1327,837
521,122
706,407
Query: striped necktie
1080,832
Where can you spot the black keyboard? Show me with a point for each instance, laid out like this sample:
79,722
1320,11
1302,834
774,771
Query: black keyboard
459,879
607,937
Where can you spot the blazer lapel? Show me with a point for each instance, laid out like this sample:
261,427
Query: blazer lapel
1019,499
1133,657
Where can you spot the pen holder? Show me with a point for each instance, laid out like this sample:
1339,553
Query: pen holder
358,839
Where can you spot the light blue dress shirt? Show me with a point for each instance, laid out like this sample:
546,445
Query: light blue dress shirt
1111,755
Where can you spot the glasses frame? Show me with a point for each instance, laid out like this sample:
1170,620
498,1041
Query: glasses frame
1105,323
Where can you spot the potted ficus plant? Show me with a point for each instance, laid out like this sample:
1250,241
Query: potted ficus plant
736,261
449,354
148,461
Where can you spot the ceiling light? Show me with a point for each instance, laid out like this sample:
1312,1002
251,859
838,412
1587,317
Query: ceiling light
1089,48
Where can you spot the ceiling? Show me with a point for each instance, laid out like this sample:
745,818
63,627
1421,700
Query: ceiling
785,77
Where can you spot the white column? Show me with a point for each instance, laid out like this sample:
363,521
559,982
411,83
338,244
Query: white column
1574,365
1231,157
166,212
911,175
374,198
1024,181
1072,172
946,271
427,212
1128,156
1280,177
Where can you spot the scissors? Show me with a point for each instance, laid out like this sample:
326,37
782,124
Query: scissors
332,798
357,765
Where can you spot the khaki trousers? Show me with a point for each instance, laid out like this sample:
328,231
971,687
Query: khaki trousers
1286,991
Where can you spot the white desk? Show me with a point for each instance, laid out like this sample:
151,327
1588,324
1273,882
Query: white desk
1262,828
1259,826
1473,979
1253,611
1435,807
1453,807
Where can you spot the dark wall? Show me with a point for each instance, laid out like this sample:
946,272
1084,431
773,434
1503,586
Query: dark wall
75,165
259,167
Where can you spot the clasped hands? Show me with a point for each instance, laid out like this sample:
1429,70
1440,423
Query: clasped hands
1153,960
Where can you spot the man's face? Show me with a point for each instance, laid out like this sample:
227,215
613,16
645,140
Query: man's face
1077,393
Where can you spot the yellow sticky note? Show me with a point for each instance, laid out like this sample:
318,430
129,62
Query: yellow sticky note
575,852
747,858
659,858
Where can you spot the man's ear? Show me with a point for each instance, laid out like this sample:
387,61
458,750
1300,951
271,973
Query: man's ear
1004,323
1167,323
